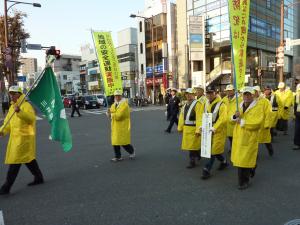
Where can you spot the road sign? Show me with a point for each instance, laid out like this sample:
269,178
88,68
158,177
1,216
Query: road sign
288,44
34,46
280,56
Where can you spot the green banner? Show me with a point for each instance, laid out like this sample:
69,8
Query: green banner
239,20
109,64
46,96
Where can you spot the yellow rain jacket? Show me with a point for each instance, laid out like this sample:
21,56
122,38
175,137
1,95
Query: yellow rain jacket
21,130
285,99
190,126
120,123
219,110
245,136
231,109
264,135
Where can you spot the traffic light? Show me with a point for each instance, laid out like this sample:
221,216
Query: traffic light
53,51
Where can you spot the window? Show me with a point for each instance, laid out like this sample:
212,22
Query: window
197,66
141,48
65,77
141,26
268,4
142,68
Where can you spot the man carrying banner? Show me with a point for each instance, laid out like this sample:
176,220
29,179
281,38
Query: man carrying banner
189,124
245,136
21,144
219,120
119,113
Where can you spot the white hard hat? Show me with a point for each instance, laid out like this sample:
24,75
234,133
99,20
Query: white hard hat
15,89
248,89
190,91
229,87
281,85
257,88
199,87
118,92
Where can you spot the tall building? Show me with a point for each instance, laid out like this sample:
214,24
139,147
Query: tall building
263,39
128,61
157,52
28,66
66,70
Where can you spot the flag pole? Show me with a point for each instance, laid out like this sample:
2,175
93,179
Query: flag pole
26,95
99,68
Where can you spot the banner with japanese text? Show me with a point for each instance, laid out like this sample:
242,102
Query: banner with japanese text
239,20
108,62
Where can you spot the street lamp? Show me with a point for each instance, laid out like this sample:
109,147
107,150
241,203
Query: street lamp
280,68
10,77
150,21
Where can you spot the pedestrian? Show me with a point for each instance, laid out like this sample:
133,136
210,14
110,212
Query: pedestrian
189,124
264,135
173,108
21,145
119,113
245,136
231,102
167,98
75,105
268,93
285,101
218,109
5,103
297,119
160,98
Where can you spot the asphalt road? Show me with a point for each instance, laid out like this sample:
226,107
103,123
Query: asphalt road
84,188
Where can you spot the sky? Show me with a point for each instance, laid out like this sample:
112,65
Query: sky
66,24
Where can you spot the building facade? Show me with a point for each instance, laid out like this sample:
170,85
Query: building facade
263,40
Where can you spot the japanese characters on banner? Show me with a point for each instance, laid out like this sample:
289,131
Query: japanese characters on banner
206,135
108,61
239,19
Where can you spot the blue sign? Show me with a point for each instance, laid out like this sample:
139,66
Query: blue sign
196,38
22,78
159,69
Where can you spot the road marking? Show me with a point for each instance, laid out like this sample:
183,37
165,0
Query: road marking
1,218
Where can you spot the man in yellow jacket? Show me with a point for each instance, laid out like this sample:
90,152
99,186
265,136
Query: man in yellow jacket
285,100
189,124
219,121
21,144
264,136
119,113
230,102
245,136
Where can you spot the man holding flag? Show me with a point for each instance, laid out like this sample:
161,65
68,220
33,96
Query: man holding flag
21,144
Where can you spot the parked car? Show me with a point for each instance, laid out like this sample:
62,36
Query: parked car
89,102
67,102
101,99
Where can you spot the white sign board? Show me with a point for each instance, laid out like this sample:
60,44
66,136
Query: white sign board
206,135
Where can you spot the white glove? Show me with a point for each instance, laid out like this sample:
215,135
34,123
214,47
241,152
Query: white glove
213,130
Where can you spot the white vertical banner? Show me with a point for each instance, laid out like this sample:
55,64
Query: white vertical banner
206,135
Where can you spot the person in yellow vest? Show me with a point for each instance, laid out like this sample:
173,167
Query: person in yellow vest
285,102
264,136
268,93
189,124
297,119
119,113
200,96
230,102
245,136
219,121
21,148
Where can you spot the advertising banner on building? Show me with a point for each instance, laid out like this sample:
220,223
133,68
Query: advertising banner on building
108,62
239,19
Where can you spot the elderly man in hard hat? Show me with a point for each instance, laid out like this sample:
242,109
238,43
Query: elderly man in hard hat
218,109
189,124
264,136
21,144
119,113
245,136
230,102
200,94
268,93
297,119
285,101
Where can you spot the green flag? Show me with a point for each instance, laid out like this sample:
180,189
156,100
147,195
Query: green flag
46,96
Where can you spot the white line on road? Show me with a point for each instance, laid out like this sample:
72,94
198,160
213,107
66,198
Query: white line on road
1,218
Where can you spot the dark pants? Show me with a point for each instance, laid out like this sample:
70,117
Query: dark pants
230,143
211,161
5,107
74,108
194,155
14,169
269,146
297,131
173,119
117,149
244,175
282,125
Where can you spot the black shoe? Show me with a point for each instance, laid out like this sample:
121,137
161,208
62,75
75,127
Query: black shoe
252,172
243,186
191,166
223,166
36,182
167,131
205,174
